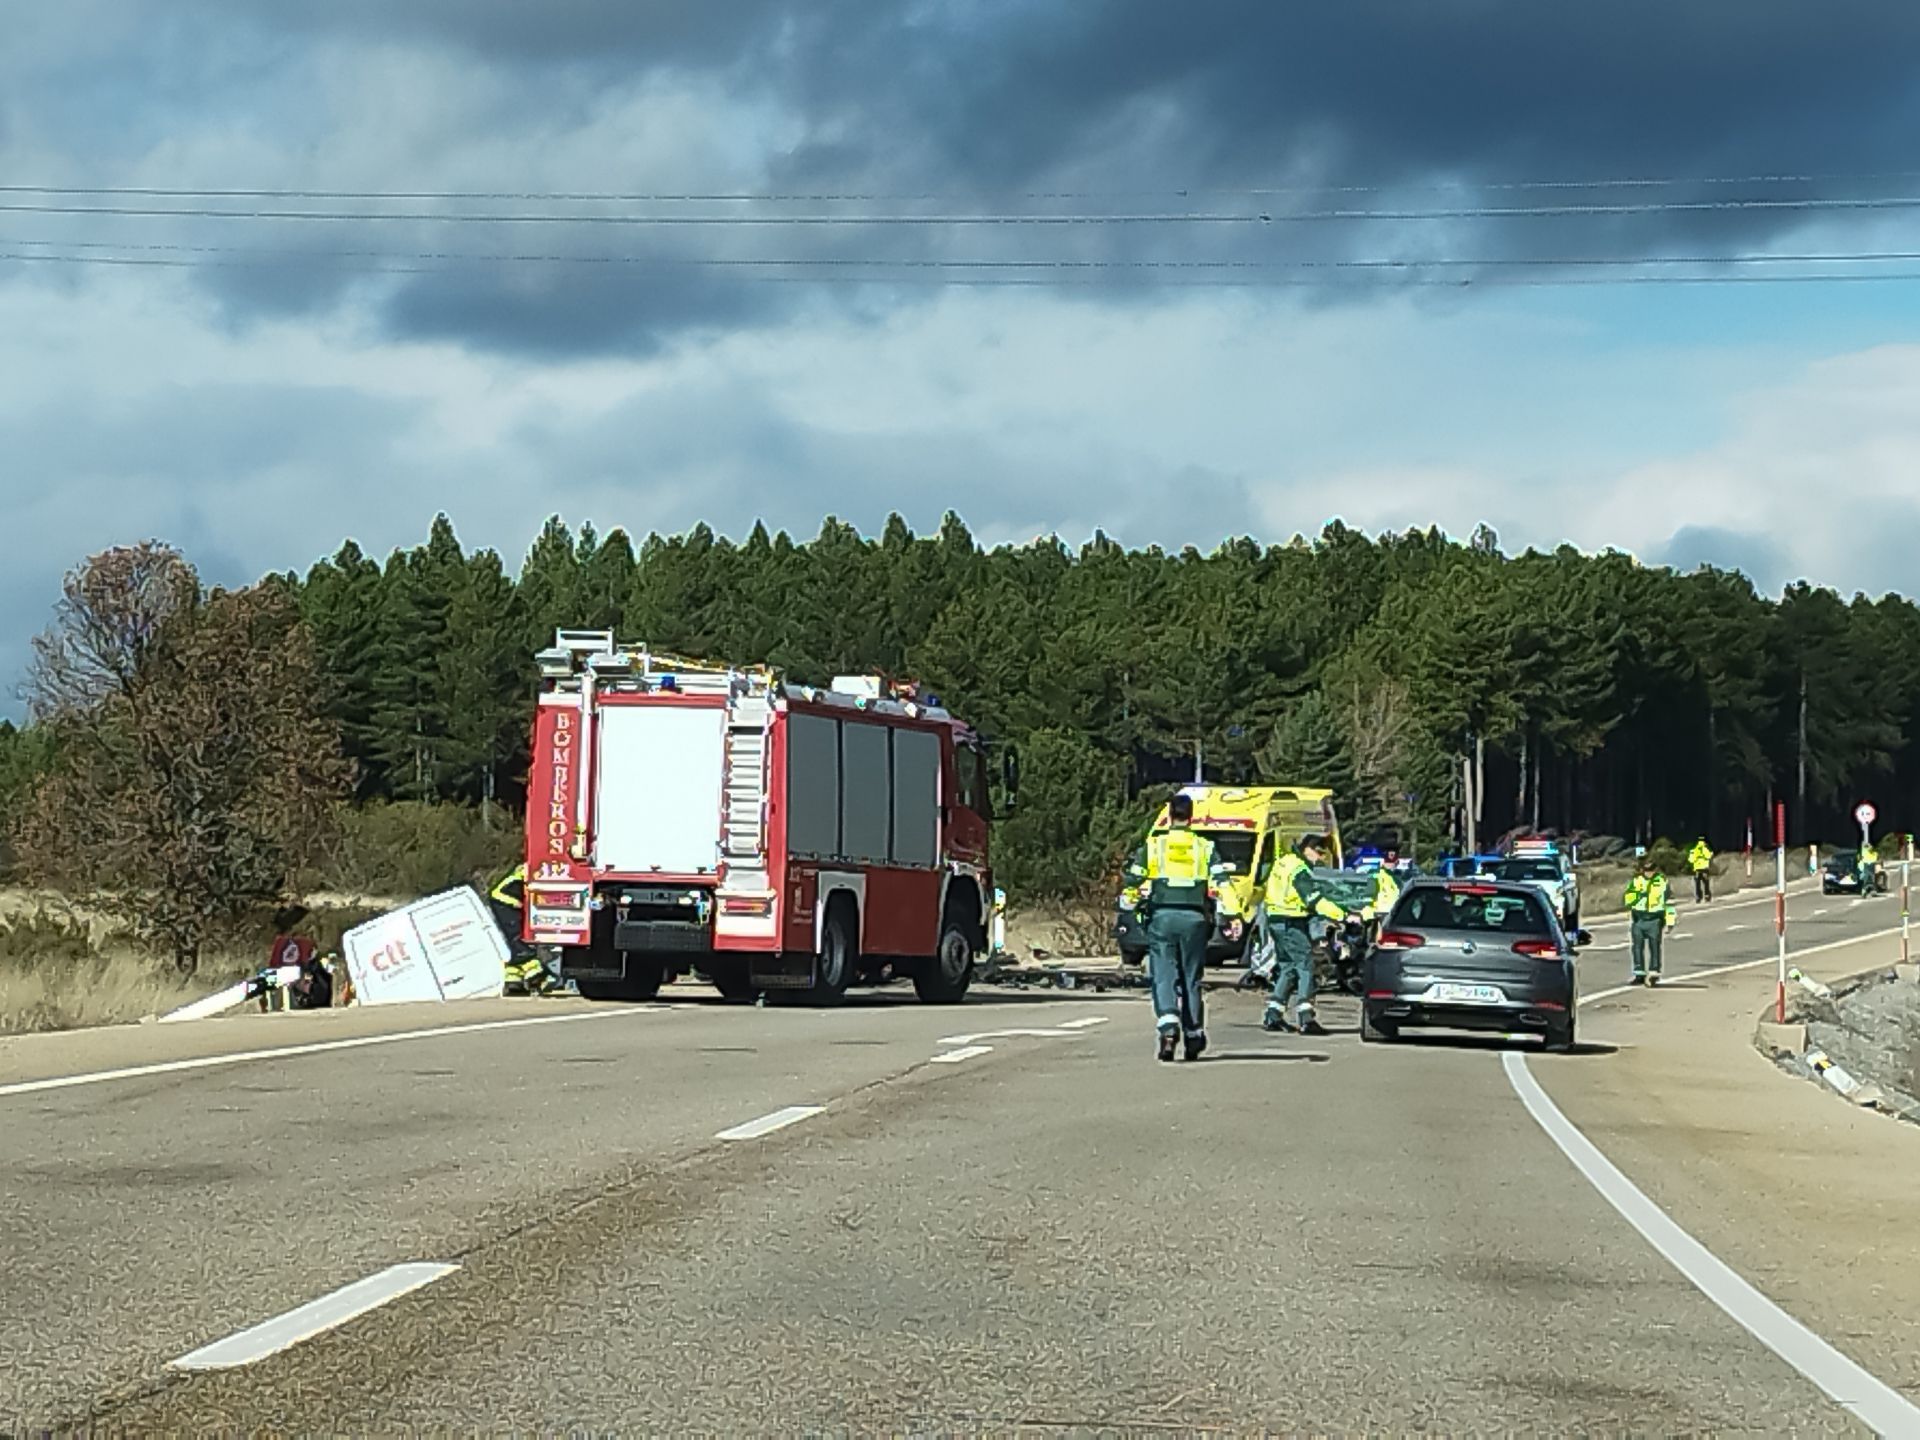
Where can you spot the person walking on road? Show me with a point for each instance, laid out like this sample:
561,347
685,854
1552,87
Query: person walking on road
1700,862
1175,874
1293,897
1868,861
1651,912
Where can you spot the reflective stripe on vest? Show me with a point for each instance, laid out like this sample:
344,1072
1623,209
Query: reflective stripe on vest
1647,893
507,892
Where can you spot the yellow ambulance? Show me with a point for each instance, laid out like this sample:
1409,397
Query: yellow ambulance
1251,826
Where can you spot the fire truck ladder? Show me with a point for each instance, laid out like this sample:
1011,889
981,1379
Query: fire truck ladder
744,792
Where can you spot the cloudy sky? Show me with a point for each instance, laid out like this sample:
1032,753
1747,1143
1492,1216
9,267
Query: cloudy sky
1175,270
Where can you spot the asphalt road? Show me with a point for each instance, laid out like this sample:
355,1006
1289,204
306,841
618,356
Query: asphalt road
1054,1232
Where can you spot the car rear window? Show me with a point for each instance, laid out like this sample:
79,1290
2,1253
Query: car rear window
1478,908
1526,870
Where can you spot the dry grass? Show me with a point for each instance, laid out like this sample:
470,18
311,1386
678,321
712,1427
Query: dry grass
1076,929
58,972
62,967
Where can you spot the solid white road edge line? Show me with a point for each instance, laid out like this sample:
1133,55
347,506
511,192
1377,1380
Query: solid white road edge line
1794,887
318,1047
767,1124
1875,1404
965,1052
1744,964
283,1332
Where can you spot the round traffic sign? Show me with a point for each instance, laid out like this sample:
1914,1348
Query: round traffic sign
1866,814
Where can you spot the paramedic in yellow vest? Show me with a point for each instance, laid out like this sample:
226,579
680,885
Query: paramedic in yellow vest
1650,912
1175,873
1293,898
525,974
1700,862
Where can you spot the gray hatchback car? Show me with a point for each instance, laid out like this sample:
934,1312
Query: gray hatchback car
1472,954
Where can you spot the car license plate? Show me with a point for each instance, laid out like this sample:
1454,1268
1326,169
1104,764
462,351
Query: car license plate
1468,994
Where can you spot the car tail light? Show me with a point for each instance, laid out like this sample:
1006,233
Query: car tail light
1380,995
1399,940
1537,949
746,904
1471,890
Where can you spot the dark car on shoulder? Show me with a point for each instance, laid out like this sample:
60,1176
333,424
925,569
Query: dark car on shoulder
1841,876
1472,954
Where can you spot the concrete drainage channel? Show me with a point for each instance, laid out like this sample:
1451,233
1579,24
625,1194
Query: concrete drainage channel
1858,1038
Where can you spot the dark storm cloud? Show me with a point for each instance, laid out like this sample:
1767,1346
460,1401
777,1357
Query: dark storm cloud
558,311
1006,91
976,101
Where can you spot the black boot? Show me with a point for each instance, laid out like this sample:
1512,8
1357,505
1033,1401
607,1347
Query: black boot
1169,1042
1196,1044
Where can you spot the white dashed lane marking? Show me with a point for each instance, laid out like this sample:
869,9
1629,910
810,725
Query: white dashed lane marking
767,1124
316,1317
965,1052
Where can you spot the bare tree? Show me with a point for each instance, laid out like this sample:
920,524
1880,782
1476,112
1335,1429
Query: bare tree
1379,723
194,770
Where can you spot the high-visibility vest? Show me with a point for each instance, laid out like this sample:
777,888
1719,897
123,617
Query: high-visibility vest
508,891
1869,855
1180,866
1283,891
1646,894
1700,857
1386,890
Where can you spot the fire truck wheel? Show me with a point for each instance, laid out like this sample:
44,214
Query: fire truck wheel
833,967
944,979
642,982
732,978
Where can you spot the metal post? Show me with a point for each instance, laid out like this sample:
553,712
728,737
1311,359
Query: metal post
1749,849
1906,877
1780,908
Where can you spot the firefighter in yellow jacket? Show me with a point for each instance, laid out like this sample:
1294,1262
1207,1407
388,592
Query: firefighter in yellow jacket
525,974
1175,874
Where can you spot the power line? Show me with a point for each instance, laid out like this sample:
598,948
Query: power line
867,196
508,218
1085,219
1068,279
301,255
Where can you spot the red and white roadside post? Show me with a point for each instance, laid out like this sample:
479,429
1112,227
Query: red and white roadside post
1906,878
1780,907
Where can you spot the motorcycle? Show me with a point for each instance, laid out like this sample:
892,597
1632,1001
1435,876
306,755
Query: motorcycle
1347,947
1345,944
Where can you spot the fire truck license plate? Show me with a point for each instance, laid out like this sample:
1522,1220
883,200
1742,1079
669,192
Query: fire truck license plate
547,918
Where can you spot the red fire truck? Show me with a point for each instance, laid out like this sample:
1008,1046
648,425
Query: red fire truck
769,837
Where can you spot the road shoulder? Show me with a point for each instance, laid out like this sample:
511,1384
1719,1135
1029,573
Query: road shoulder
1808,1198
